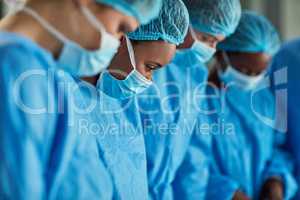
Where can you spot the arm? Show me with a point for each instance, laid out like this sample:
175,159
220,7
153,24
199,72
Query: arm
278,178
220,186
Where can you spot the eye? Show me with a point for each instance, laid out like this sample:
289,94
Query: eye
205,38
125,28
152,66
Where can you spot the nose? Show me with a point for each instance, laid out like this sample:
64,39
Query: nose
147,74
214,45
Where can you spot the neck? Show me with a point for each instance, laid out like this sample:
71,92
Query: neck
20,22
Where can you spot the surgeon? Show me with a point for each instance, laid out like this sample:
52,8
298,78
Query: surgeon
122,144
285,72
247,159
149,48
167,107
47,151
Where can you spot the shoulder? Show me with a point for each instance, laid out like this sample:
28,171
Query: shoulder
288,58
18,54
291,46
24,72
288,52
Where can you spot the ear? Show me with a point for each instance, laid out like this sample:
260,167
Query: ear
123,45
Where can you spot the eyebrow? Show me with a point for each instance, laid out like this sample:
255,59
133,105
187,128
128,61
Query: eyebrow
125,27
129,28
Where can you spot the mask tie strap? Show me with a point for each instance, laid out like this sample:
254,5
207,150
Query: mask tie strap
193,33
226,61
131,52
93,20
226,58
133,62
45,24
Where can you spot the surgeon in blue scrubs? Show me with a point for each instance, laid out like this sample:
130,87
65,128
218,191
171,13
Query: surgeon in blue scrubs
167,111
142,52
47,148
286,76
248,161
129,73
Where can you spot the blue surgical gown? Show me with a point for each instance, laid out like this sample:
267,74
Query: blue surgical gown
245,146
123,147
58,139
169,116
286,73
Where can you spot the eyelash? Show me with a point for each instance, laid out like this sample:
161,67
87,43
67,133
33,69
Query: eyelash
151,67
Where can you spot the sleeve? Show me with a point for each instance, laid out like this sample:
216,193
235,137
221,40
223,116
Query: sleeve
192,176
24,124
219,186
282,166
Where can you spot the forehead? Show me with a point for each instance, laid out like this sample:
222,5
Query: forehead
253,56
258,57
255,61
155,50
217,38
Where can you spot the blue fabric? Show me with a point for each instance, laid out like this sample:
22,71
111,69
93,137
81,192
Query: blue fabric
246,149
171,25
215,17
255,33
43,147
78,149
287,61
193,174
169,121
142,10
122,147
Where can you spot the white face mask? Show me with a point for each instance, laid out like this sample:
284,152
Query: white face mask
135,82
231,75
202,51
77,60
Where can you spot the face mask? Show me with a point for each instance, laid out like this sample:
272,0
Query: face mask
231,75
135,82
77,60
202,51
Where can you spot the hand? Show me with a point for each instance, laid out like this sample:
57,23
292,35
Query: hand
272,190
240,196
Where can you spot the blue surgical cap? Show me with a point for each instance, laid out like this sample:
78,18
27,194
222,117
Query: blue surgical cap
142,10
254,34
214,17
171,25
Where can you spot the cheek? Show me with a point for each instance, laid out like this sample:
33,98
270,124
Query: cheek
146,72
167,57
141,68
